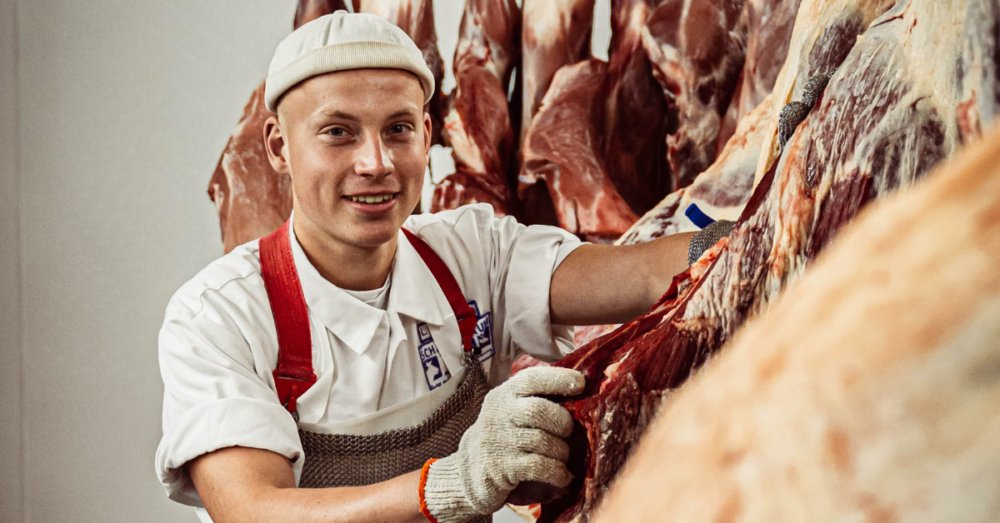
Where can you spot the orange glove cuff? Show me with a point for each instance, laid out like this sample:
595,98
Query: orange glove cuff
423,482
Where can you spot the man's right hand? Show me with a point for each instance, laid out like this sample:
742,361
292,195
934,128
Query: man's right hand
517,437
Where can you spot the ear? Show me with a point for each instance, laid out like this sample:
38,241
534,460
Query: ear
274,144
427,133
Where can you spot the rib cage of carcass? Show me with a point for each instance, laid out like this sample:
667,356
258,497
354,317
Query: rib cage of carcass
912,81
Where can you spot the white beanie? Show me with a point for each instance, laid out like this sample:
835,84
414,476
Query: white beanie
342,41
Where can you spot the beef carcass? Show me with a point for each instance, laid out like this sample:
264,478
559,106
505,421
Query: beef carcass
478,125
309,10
724,188
635,112
251,198
561,154
868,392
554,33
595,147
768,25
697,50
888,115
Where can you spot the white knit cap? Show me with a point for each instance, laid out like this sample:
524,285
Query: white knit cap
342,41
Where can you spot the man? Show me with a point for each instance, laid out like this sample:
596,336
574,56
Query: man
352,347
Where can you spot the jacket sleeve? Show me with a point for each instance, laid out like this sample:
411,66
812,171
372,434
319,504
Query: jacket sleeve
213,396
519,261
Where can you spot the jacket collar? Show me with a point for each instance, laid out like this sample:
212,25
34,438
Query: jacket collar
414,292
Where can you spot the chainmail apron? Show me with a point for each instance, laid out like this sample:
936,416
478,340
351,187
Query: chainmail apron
345,460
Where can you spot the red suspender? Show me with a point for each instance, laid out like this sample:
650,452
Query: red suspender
446,280
294,374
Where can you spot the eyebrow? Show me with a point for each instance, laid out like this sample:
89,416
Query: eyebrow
340,114
350,117
403,112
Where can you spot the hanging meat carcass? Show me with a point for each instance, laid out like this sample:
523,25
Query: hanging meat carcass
899,104
697,50
595,147
561,153
554,33
635,112
724,188
868,392
250,197
478,125
768,26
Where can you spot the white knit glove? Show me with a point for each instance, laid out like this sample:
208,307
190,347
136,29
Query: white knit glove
516,438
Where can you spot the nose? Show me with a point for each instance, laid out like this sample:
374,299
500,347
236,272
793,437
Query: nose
373,159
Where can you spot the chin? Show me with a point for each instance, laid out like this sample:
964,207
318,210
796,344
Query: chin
372,238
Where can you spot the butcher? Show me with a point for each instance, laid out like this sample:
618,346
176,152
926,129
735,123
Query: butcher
352,365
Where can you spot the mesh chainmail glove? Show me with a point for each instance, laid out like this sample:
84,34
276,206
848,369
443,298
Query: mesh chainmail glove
517,437
708,237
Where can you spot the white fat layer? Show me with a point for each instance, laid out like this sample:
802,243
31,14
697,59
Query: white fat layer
463,148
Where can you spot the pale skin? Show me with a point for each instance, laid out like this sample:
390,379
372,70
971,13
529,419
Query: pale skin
364,133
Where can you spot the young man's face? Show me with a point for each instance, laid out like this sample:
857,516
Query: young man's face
355,144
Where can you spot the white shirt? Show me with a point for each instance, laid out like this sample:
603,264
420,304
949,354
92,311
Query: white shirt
218,345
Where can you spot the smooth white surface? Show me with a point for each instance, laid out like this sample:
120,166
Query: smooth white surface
125,108
11,425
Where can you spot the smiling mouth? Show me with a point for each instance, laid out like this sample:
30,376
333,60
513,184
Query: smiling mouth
372,198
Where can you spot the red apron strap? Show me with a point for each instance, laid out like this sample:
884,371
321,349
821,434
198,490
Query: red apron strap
446,280
294,374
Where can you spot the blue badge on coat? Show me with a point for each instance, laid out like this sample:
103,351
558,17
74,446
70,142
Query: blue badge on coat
482,339
430,357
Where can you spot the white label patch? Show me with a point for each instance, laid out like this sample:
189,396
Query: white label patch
434,369
482,339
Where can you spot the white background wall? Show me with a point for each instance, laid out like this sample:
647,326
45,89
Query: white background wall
113,114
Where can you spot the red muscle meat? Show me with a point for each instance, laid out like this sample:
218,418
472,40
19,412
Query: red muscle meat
724,188
635,112
561,154
768,26
554,33
697,50
888,115
478,125
596,145
253,200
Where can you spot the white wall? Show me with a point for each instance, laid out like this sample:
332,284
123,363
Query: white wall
113,114
124,109
11,426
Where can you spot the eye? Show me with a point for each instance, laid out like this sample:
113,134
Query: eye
338,132
399,128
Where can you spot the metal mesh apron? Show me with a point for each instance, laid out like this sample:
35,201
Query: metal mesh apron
341,460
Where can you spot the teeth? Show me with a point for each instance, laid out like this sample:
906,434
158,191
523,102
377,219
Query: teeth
372,199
